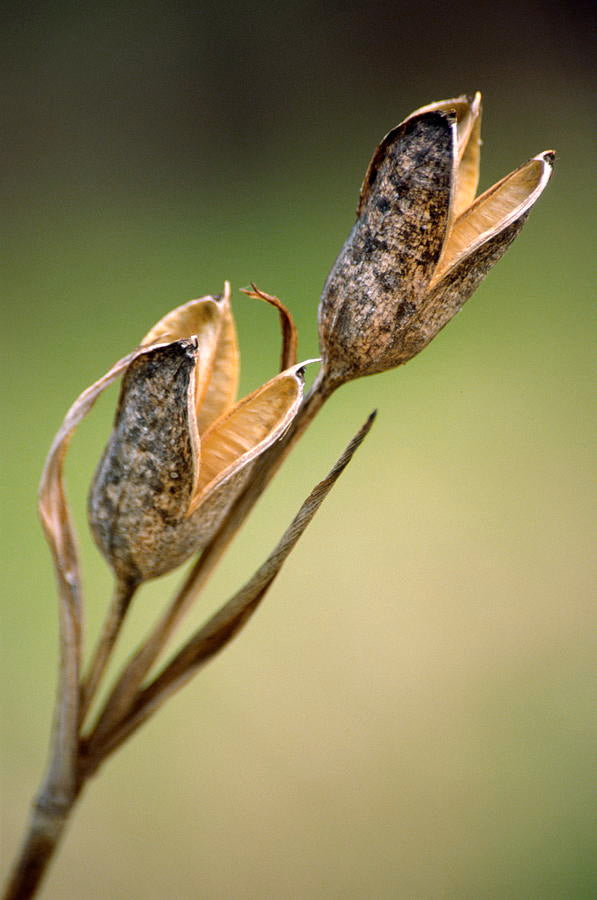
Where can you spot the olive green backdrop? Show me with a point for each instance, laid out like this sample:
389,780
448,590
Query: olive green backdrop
408,715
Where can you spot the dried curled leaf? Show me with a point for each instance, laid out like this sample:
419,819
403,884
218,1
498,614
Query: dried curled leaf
289,334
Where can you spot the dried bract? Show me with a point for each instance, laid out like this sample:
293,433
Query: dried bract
421,243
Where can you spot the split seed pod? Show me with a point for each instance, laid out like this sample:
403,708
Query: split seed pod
182,450
421,244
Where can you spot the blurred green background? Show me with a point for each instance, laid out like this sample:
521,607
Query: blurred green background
408,715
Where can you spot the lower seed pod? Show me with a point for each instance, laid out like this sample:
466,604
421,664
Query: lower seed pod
181,450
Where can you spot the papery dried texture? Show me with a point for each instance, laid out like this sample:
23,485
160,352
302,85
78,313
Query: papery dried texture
421,243
181,450
217,370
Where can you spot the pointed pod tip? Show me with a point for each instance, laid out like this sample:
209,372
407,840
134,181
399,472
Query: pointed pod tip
299,369
548,156
546,161
223,300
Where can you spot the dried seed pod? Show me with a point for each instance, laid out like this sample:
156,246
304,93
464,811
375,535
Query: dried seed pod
144,482
421,243
181,451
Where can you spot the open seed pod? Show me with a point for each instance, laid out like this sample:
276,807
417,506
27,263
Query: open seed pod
182,449
422,243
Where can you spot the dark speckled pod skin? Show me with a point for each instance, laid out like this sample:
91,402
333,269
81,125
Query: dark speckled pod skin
380,276
140,508
422,242
143,483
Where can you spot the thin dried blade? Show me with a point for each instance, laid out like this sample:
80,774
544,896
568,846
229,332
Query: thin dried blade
226,623
247,430
495,210
289,334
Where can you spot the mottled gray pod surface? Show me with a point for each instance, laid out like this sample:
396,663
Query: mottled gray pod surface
380,276
143,484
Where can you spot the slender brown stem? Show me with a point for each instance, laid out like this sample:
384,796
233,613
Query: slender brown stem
57,794
45,829
123,594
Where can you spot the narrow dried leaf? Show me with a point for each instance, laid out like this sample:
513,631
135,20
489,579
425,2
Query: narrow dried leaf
247,430
289,335
226,623
495,210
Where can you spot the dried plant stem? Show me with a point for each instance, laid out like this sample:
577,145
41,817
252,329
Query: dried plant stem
123,594
45,829
58,792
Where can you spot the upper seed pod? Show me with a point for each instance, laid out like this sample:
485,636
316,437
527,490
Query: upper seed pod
421,243
181,449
